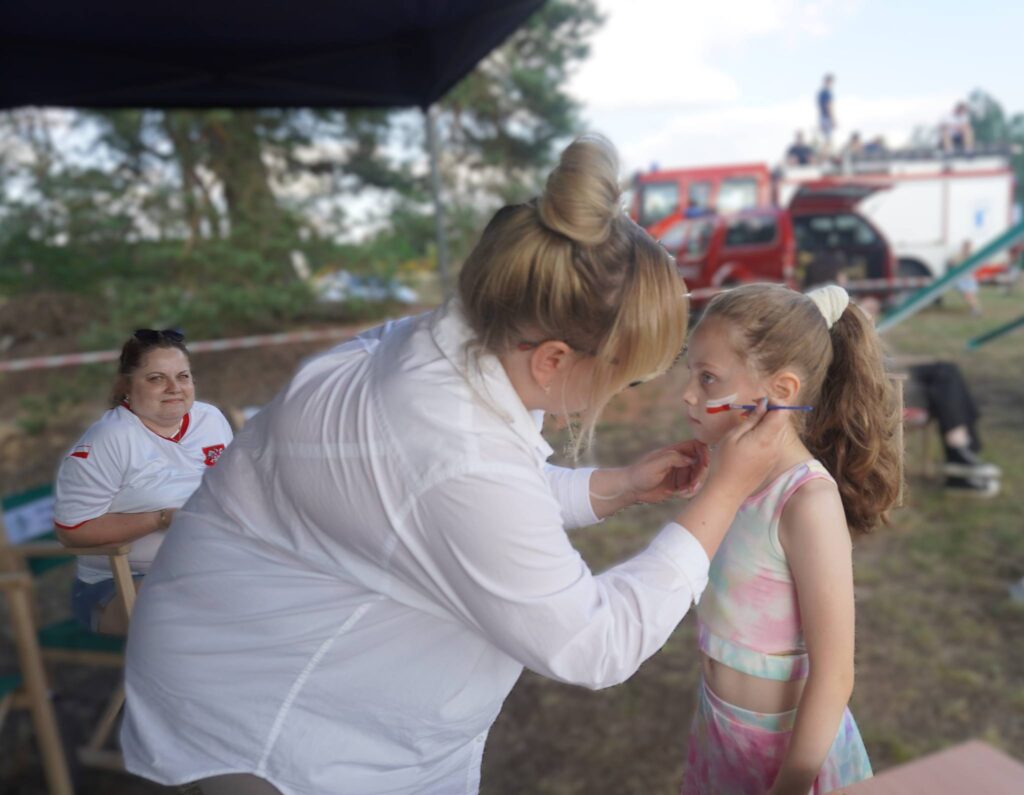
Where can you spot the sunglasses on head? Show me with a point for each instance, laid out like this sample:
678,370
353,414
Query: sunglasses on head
153,335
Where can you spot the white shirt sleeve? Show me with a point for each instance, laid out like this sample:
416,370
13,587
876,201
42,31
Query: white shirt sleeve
502,562
571,488
89,477
225,428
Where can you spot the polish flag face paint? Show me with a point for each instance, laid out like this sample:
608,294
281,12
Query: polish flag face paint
718,405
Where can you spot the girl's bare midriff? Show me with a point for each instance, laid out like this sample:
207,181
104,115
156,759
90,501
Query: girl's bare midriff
750,692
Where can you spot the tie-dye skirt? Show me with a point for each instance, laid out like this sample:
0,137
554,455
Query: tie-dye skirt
735,751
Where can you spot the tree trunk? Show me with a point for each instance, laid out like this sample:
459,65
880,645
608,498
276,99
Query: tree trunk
236,157
176,125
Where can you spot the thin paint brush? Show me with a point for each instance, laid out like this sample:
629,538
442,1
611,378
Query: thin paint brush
726,404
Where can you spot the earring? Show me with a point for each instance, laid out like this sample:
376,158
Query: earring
547,389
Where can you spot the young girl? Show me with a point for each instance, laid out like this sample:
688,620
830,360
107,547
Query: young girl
776,621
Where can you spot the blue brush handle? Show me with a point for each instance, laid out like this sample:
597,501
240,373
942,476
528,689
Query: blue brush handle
749,407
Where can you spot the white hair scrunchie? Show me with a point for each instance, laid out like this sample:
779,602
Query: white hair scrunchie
831,302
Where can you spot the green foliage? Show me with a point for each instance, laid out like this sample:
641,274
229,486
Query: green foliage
993,127
38,412
512,112
192,217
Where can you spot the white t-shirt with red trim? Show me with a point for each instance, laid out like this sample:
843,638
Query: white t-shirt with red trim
121,466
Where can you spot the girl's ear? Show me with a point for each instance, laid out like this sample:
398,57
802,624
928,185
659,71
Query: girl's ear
784,387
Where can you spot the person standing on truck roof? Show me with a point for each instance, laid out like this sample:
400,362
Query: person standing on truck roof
957,131
826,115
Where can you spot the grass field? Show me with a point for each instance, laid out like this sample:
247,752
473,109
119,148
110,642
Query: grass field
940,644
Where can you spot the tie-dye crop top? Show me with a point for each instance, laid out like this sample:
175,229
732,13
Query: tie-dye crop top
749,618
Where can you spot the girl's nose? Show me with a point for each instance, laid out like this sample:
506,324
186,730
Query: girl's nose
689,394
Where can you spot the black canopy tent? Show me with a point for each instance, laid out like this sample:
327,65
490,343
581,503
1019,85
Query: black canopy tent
227,53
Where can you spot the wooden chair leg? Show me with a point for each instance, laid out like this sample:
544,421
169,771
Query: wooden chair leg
5,706
34,678
927,456
125,584
107,720
93,752
900,442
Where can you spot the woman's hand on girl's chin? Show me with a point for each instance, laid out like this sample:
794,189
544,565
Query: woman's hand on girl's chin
678,469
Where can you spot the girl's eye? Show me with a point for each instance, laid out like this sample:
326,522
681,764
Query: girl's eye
707,378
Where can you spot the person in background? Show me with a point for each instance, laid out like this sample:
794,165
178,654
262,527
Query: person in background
799,153
875,147
826,113
967,285
133,468
854,146
940,387
957,131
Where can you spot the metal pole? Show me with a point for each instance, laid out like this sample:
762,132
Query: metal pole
927,295
430,122
995,333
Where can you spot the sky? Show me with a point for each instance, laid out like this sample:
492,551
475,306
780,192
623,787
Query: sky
686,82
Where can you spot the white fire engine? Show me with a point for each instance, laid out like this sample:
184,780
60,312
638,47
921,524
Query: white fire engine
927,205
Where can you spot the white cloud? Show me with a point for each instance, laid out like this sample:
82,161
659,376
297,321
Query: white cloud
656,86
652,53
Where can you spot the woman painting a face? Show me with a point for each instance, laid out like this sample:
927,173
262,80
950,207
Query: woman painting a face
395,540
124,479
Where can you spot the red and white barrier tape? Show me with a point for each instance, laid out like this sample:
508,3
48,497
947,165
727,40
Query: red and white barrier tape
859,286
257,341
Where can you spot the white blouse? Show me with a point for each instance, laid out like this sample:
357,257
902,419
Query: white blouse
348,598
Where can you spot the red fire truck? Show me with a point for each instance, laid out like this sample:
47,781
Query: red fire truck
660,197
921,205
772,244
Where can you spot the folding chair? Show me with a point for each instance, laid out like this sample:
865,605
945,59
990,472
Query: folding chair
28,545
28,689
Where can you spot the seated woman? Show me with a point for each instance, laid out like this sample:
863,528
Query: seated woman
133,468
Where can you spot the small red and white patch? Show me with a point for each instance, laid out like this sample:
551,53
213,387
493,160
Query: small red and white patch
81,451
212,453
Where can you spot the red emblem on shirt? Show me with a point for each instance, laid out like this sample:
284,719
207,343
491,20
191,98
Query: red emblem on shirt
212,453
81,451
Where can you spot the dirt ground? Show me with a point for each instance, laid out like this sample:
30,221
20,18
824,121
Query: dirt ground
940,643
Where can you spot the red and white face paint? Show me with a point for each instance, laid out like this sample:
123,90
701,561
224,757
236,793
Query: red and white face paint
719,378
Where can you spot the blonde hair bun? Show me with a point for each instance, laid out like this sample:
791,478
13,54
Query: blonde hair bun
582,196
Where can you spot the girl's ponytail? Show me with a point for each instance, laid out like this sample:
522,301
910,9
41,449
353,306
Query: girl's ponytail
853,429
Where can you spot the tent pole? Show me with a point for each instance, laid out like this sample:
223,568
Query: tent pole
430,122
